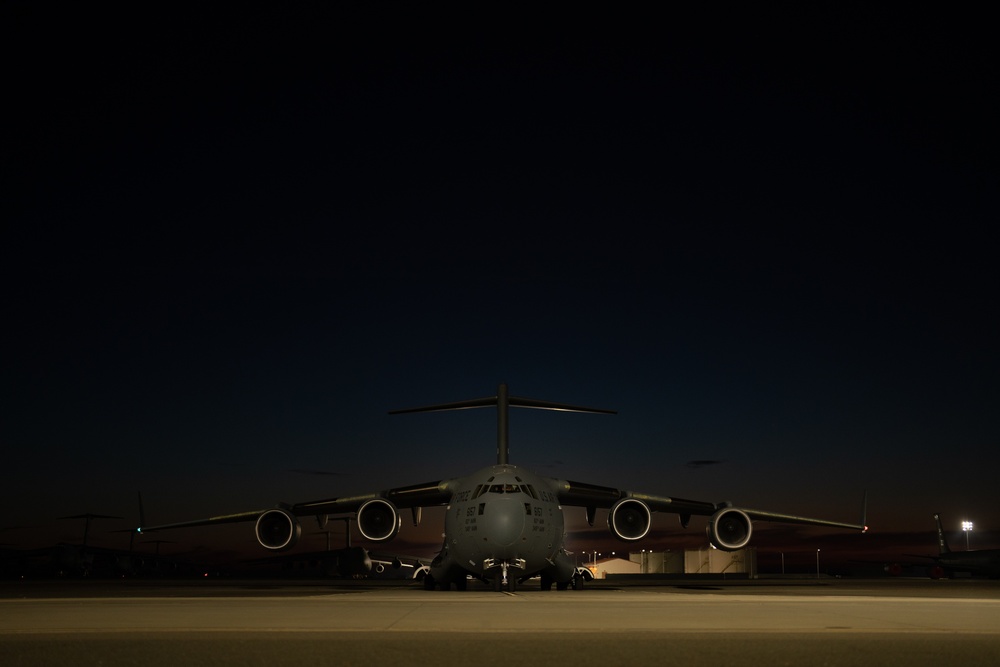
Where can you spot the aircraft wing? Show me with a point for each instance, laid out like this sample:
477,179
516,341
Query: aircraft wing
580,494
761,515
591,496
225,518
427,494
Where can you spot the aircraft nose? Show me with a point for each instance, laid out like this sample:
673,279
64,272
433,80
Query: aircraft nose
507,522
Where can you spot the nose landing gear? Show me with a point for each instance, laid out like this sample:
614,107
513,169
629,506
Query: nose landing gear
504,578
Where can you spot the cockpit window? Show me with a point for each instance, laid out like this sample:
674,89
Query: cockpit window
505,488
530,490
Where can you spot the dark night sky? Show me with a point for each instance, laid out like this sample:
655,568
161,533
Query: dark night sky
236,236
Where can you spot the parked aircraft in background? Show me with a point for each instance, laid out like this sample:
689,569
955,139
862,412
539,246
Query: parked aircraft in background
504,524
977,561
348,561
67,559
388,566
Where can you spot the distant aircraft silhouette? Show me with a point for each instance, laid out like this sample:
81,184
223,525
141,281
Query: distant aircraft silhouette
348,561
977,561
67,559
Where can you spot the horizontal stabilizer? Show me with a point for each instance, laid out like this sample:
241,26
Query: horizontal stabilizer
503,402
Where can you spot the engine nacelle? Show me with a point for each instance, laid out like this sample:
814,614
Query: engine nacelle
278,530
378,520
729,529
629,519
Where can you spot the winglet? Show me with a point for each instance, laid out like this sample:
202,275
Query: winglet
864,512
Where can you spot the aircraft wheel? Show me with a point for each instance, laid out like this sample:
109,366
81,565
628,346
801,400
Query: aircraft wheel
546,582
462,584
498,583
562,585
577,582
512,584
428,582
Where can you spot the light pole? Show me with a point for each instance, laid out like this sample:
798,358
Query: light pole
817,563
967,528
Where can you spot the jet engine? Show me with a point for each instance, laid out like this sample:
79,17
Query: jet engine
629,519
278,530
378,520
729,529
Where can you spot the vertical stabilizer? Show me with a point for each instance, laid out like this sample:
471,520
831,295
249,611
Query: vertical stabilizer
86,526
503,442
942,544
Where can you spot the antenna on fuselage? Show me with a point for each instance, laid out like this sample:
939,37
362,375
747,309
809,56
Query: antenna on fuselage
503,402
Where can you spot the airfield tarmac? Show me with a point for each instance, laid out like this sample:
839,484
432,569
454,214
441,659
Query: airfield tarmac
759,622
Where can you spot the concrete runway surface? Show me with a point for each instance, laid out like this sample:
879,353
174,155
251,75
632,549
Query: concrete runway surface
821,622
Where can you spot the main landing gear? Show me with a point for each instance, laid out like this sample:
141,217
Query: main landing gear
576,583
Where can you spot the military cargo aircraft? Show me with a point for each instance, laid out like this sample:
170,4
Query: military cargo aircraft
504,524
67,559
984,562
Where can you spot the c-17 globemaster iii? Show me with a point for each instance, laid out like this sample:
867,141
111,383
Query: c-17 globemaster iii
504,524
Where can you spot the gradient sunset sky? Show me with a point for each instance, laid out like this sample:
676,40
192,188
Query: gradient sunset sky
238,235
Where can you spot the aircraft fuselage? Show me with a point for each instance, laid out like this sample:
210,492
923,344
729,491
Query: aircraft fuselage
502,520
985,562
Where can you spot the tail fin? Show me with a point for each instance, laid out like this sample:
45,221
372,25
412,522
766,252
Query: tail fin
503,401
942,543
